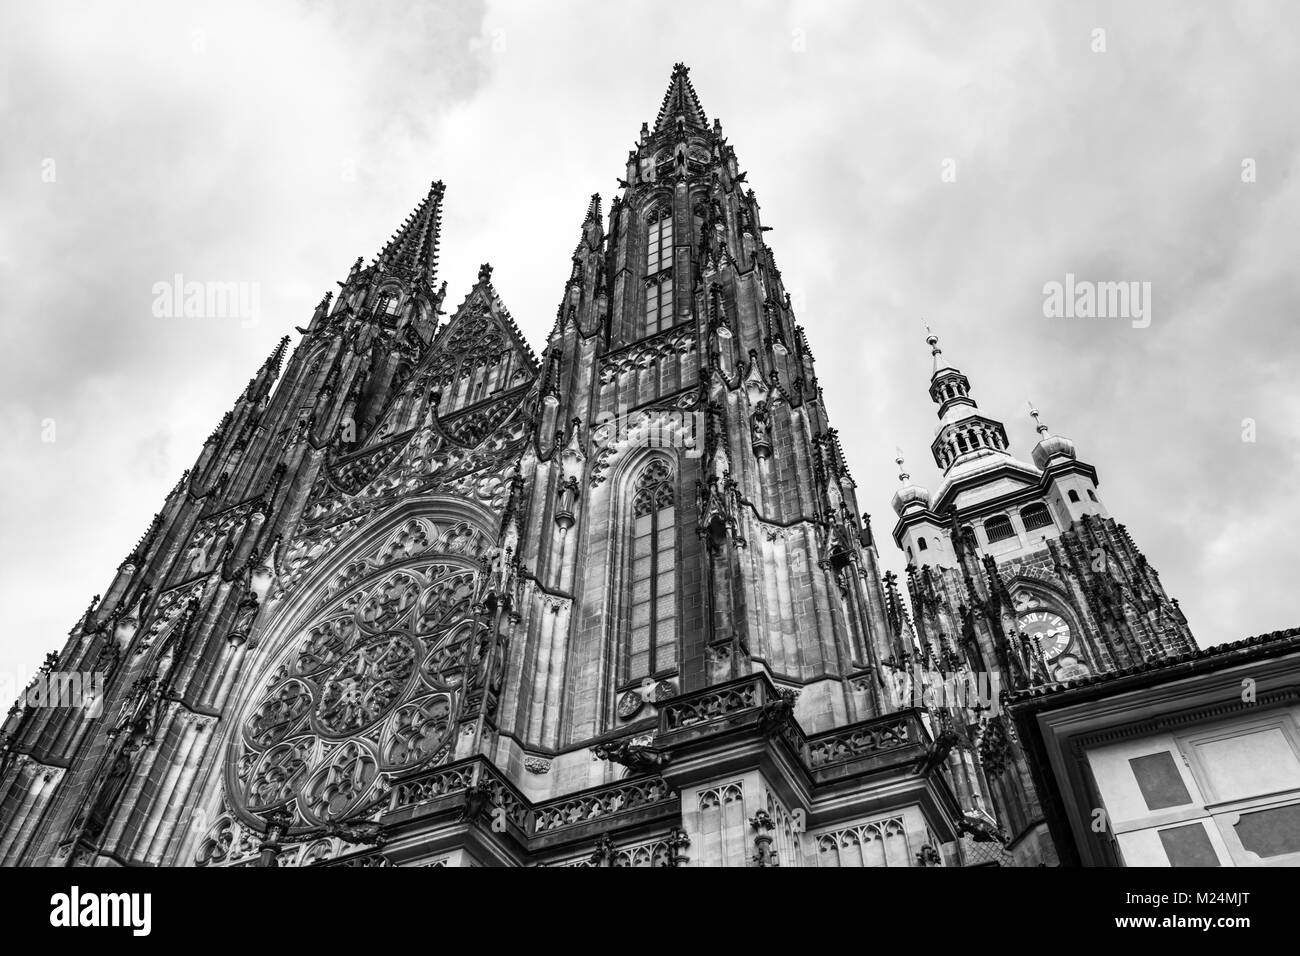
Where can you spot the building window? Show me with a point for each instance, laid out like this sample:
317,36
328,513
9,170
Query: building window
1074,495
652,583
659,241
1092,494
1035,516
659,271
921,545
998,528
658,303
1220,794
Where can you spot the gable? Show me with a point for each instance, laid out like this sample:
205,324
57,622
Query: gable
479,355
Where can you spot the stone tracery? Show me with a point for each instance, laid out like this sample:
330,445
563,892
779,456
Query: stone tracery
370,688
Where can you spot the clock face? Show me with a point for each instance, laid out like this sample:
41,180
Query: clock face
1046,630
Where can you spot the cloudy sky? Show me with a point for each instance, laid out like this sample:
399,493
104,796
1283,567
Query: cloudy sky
275,143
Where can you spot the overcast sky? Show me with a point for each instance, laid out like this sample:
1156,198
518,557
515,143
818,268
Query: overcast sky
275,143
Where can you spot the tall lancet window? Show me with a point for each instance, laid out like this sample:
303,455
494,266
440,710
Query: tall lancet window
659,270
652,583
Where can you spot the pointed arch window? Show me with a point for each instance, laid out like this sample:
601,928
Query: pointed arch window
659,271
659,241
652,580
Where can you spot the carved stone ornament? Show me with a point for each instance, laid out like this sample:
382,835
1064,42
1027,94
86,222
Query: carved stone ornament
370,687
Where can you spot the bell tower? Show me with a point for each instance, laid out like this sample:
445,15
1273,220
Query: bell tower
1018,570
693,511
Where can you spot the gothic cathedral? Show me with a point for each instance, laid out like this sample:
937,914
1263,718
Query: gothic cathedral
428,599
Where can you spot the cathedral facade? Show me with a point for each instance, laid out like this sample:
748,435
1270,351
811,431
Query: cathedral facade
428,599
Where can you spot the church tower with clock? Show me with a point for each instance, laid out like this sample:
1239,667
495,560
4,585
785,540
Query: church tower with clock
1017,570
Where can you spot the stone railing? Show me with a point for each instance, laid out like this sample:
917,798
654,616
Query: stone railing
877,736
431,785
747,702
459,778
724,705
547,817
597,804
503,794
367,859
720,700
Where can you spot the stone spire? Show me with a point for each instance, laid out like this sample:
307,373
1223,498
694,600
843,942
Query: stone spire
413,250
260,384
592,230
680,101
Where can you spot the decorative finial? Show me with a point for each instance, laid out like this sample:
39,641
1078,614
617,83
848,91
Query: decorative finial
485,272
931,339
903,476
1038,425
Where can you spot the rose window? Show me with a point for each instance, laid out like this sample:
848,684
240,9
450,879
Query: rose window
370,688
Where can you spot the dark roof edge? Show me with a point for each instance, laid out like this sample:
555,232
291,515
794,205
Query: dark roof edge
1061,693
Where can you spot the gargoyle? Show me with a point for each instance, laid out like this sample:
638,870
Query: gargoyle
636,753
937,754
369,833
774,713
981,827
477,800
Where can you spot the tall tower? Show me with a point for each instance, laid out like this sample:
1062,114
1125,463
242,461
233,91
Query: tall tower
433,601
691,495
1018,570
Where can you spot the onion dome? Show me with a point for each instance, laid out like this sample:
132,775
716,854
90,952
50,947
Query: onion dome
1049,446
908,494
